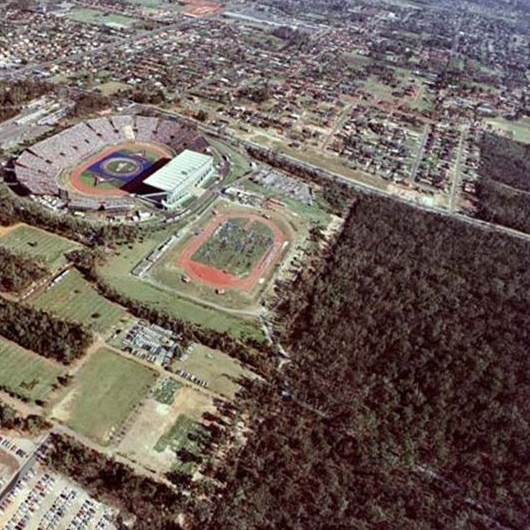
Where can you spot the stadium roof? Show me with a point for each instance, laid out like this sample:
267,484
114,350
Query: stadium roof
178,170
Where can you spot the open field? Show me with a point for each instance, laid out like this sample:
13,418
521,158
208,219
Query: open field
157,427
109,88
518,130
38,244
107,390
8,465
93,16
317,158
25,373
75,299
220,371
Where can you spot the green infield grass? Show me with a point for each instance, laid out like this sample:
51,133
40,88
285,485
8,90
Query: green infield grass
25,373
236,246
89,179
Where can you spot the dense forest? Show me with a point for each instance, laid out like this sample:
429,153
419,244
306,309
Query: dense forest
503,205
407,404
42,332
18,271
505,161
154,504
504,187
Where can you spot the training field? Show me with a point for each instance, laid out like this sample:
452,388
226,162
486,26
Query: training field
222,373
236,246
25,373
107,390
38,244
233,251
75,299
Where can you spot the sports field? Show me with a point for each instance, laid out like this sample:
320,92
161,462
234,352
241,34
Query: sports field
38,244
184,435
114,170
222,373
236,246
233,252
75,299
26,374
107,390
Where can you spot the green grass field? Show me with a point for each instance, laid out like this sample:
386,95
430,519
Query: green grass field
107,390
75,299
220,371
109,88
88,179
24,373
236,246
518,130
93,16
38,244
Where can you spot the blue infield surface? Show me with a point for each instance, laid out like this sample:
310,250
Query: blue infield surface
121,166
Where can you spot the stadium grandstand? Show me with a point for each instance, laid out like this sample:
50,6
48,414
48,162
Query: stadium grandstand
183,161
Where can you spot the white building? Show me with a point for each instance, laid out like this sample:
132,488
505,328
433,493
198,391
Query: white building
179,175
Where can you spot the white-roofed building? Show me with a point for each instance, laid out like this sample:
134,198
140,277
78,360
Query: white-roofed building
178,176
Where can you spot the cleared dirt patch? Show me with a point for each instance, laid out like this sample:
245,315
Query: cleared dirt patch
155,419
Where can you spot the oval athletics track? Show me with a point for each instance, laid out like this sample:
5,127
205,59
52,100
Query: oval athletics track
84,189
218,279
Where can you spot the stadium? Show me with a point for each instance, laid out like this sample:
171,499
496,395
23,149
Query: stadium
111,163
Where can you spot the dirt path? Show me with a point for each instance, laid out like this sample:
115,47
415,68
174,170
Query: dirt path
4,230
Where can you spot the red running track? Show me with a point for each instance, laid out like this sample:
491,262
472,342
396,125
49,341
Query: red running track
218,279
85,189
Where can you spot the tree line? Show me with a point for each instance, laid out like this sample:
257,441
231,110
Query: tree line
10,419
43,333
17,271
14,209
407,404
14,94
